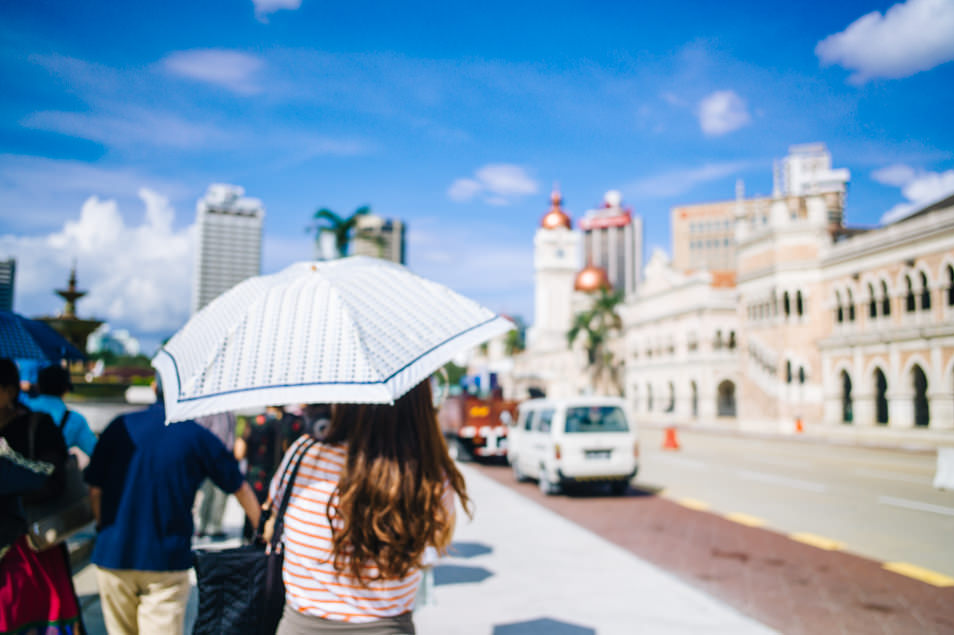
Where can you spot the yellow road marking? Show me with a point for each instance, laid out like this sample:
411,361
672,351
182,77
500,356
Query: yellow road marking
920,573
693,503
817,541
745,519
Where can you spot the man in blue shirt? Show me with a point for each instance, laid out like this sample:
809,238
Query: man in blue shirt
143,478
52,383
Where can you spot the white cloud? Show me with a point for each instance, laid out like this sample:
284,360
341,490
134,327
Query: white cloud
495,183
138,276
722,112
233,70
910,37
130,128
676,182
920,188
895,175
39,193
264,7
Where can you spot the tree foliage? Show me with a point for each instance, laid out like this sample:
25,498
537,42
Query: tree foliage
342,228
595,325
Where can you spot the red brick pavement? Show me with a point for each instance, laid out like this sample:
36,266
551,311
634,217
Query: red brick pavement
787,585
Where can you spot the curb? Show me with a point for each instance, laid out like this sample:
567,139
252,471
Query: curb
905,445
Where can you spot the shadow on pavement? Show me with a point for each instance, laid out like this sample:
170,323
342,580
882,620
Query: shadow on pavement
469,549
603,491
542,626
456,574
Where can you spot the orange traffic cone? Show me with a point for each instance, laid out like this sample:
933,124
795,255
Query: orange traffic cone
670,442
798,426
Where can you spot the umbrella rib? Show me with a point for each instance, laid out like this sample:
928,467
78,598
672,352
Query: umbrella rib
326,383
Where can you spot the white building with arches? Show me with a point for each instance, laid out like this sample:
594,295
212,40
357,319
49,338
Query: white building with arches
888,360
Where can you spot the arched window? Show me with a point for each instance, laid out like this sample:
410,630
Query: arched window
950,285
925,293
799,304
731,340
840,311
695,399
881,397
909,303
846,411
851,305
885,299
788,371
725,405
718,340
786,304
801,374
649,397
671,406
922,414
872,302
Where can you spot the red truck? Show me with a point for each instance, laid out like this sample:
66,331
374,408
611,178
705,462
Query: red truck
476,427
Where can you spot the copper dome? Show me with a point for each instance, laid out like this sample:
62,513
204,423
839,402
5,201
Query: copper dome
556,217
591,279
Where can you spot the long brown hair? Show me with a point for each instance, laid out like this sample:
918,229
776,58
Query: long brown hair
391,492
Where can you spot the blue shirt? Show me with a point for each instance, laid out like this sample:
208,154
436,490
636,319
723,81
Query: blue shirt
76,430
149,474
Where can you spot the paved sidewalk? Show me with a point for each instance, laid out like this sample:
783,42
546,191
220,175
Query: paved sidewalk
520,569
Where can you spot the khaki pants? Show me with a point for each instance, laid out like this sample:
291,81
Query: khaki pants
146,602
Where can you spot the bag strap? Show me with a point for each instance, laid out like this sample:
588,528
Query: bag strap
31,435
66,415
287,492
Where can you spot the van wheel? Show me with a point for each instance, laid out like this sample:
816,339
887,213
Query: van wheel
548,487
518,474
458,452
619,488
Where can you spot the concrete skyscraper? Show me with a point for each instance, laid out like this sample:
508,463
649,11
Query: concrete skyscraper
380,238
229,242
613,241
8,271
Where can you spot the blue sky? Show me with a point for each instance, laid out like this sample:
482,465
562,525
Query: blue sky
457,118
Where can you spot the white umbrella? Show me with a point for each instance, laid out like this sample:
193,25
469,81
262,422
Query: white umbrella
355,330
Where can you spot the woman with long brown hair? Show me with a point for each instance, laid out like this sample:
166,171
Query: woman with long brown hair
366,503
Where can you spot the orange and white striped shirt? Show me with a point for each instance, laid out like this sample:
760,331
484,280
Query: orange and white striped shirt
312,586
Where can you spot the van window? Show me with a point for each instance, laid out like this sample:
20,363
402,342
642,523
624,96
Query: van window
595,419
544,421
528,421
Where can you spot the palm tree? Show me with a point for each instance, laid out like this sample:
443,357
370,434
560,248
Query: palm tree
596,324
344,229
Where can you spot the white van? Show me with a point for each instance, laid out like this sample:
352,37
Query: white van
577,440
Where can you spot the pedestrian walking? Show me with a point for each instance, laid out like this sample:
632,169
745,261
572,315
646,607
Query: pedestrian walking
367,503
211,499
36,587
261,447
52,383
143,479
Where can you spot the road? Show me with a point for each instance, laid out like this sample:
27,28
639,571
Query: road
876,503
756,524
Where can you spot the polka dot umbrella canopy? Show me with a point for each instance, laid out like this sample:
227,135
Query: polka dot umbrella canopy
354,330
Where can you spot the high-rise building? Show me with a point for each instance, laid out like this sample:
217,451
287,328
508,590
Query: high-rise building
380,238
613,241
229,242
704,235
8,274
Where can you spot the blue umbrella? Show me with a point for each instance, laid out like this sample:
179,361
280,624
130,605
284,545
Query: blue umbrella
25,339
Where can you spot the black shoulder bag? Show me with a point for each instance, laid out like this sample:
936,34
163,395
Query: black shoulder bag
52,521
241,589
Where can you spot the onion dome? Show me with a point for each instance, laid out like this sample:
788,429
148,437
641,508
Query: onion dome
556,217
591,279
